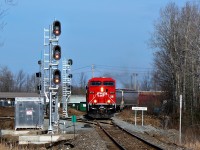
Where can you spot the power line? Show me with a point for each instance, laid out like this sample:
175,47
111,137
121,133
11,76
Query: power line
81,68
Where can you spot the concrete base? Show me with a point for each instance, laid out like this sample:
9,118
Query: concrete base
42,139
13,132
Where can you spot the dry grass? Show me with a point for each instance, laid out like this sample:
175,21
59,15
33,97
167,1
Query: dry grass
2,147
191,135
192,138
193,146
129,116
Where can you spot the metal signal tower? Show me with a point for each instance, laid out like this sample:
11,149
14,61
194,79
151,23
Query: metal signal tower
50,74
66,84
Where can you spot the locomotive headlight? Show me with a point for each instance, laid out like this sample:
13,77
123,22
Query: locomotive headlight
102,89
108,101
95,101
111,96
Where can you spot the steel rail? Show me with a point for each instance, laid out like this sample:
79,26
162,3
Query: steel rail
139,138
118,145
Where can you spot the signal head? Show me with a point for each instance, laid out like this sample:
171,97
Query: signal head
56,28
70,62
38,74
70,76
56,76
57,52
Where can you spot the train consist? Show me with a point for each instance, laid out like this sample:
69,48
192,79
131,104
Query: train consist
101,97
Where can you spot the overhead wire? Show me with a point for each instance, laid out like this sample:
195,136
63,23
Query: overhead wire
114,69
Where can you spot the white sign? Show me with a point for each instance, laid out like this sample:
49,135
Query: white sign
29,112
139,108
101,94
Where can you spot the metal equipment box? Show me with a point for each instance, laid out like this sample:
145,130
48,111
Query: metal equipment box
29,112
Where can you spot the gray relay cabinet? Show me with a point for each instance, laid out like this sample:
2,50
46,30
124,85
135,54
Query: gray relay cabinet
29,112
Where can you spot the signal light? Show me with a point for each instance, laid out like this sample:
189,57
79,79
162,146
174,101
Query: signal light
39,62
38,74
70,62
68,87
56,76
56,28
39,87
54,102
57,52
70,76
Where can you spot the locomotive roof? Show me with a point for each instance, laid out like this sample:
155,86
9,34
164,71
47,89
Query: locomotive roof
102,79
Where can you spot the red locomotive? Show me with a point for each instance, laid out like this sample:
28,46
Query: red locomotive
101,97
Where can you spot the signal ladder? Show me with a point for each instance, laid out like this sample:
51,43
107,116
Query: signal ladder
66,86
45,66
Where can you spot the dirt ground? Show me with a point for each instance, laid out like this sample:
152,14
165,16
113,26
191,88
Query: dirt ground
126,115
7,111
129,116
7,123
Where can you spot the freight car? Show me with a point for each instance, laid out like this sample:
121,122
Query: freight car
126,98
101,97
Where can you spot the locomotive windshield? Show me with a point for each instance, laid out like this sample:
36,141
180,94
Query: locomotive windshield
95,83
98,83
108,83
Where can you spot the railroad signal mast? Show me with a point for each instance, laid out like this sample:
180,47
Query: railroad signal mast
50,75
54,73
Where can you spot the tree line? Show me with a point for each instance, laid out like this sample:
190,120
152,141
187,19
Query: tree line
19,82
176,40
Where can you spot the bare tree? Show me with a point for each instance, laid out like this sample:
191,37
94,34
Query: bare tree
79,88
177,39
83,80
146,83
30,83
20,81
6,80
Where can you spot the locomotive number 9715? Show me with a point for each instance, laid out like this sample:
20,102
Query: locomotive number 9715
101,97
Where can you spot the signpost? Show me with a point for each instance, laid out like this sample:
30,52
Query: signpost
136,109
73,121
181,99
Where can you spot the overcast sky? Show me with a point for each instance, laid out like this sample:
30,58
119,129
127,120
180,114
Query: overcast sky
111,34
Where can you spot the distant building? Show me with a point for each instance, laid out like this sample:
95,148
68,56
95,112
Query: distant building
8,98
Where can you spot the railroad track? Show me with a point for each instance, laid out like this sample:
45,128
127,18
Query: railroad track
118,138
125,140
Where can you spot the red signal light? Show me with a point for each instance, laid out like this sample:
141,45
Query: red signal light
56,28
56,76
57,52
